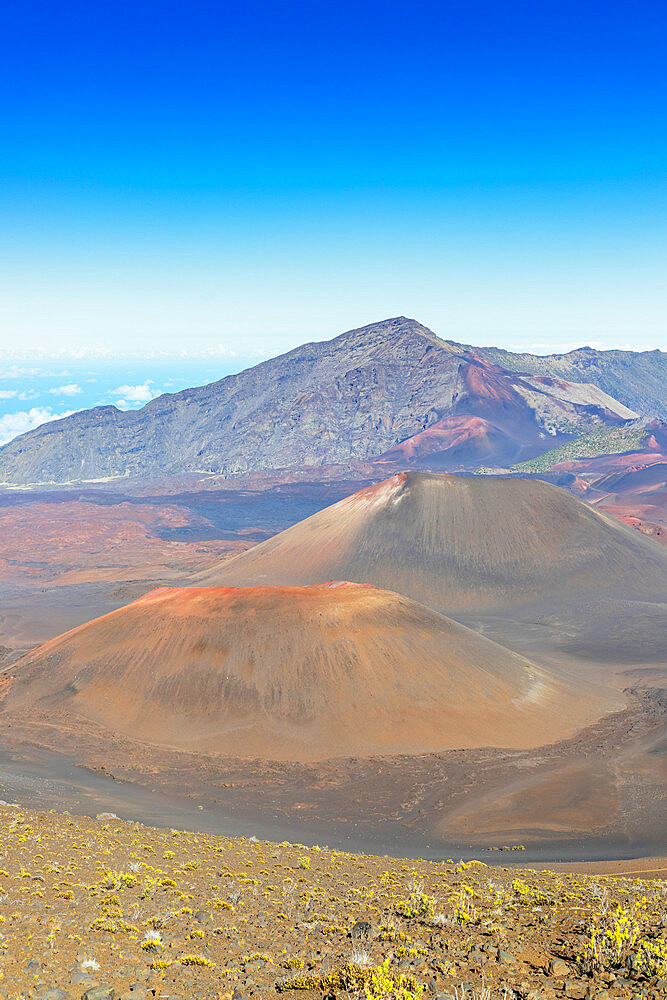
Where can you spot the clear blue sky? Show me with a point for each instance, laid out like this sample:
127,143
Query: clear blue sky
183,176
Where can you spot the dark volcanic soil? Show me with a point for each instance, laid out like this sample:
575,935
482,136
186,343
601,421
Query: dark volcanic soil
599,794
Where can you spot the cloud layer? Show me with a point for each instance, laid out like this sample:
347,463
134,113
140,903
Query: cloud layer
131,395
66,390
13,424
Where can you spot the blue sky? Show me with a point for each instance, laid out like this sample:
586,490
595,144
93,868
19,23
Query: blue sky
238,179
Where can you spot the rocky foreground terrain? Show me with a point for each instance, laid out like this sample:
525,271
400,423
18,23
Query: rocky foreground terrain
100,908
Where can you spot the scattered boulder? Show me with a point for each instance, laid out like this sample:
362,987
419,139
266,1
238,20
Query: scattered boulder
557,967
361,931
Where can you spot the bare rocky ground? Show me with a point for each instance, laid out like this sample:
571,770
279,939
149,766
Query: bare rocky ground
95,909
599,794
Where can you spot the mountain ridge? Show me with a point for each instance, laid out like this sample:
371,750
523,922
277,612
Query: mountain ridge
632,376
352,398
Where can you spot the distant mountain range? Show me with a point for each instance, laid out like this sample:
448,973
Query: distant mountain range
392,391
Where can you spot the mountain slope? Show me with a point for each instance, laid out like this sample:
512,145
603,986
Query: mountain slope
464,441
351,398
300,673
630,437
637,378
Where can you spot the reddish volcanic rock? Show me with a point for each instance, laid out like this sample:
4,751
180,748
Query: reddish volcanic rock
455,441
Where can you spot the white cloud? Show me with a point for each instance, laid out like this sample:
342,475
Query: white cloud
17,394
17,371
66,390
134,394
13,424
64,353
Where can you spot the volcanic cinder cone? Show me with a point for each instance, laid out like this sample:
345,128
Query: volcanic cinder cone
461,545
294,673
